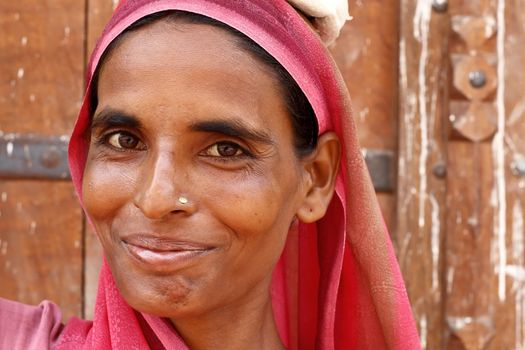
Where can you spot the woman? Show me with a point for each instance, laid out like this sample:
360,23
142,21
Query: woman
206,156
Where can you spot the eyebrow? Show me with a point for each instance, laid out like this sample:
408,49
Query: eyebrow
110,117
233,128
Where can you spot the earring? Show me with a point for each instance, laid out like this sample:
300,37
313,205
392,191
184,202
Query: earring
183,200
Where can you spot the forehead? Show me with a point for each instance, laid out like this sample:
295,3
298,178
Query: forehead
197,62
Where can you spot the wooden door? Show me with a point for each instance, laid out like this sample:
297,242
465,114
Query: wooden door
437,92
42,64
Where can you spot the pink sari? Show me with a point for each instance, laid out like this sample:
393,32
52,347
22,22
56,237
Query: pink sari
337,284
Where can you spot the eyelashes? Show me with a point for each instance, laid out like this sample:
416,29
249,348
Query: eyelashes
226,149
124,141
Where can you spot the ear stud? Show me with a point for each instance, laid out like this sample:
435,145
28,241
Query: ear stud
183,200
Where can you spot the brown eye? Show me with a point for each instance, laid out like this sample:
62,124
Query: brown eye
123,140
225,149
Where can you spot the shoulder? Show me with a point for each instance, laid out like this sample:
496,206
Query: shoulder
29,327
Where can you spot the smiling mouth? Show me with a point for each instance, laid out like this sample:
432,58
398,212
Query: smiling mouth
164,254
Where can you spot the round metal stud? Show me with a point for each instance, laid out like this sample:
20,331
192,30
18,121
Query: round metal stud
439,170
440,5
518,167
50,159
477,79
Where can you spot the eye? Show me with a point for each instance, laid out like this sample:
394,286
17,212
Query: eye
225,149
124,141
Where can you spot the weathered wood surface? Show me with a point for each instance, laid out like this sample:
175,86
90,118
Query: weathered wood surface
367,55
421,164
460,239
42,60
42,55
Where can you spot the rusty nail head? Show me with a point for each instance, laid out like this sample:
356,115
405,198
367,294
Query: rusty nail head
518,167
477,78
440,5
50,159
439,170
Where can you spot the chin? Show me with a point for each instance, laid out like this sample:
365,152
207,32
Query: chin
160,295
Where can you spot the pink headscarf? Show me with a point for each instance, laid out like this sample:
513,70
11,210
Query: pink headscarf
337,284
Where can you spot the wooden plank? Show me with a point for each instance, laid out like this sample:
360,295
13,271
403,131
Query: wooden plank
40,244
367,55
42,58
510,316
471,292
99,12
422,163
42,55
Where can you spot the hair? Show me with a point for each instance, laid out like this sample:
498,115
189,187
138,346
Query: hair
302,115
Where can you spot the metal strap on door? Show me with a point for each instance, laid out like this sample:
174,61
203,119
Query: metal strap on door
26,156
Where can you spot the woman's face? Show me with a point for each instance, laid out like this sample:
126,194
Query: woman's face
191,179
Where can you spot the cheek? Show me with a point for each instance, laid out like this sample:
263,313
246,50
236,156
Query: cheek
256,204
105,189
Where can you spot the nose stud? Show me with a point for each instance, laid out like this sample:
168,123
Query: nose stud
183,200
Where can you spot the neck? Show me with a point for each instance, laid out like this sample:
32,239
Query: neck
247,325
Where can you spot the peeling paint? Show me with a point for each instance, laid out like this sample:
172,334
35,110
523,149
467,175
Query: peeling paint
27,155
519,322
490,26
458,323
364,113
498,147
421,33
517,273
450,279
434,241
423,329
9,149
20,73
32,228
3,248
517,233
517,112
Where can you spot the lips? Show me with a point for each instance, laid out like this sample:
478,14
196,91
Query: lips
163,254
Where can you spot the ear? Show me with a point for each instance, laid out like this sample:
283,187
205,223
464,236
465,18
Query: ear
321,170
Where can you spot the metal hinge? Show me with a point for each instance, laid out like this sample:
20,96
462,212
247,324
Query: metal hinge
28,156
381,166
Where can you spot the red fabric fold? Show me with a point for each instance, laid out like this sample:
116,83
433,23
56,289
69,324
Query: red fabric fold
337,285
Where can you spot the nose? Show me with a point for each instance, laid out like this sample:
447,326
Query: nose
159,192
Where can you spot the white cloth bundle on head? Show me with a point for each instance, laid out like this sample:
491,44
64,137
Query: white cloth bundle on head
329,16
